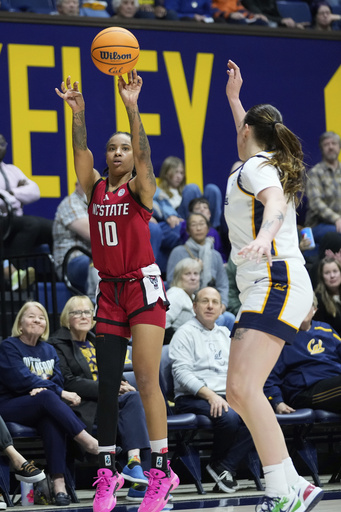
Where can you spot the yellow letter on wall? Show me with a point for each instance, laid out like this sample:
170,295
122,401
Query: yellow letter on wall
151,122
191,114
332,101
24,120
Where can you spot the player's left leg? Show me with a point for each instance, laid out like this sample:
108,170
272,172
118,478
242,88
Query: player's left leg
147,347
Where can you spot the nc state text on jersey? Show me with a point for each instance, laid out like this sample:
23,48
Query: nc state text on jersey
108,210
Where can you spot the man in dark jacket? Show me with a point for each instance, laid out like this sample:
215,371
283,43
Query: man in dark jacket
308,372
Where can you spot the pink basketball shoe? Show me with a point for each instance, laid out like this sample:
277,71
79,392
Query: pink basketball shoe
159,488
107,486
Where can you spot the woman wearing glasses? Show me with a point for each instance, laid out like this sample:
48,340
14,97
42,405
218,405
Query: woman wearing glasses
31,392
76,348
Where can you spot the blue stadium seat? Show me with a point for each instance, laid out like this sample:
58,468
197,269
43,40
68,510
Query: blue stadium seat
298,11
37,6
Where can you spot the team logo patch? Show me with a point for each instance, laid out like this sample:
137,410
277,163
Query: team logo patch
159,462
121,192
107,460
154,281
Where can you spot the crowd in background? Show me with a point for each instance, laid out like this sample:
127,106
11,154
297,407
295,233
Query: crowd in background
188,234
319,15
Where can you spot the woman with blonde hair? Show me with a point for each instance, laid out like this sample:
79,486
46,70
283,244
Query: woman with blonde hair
186,281
31,392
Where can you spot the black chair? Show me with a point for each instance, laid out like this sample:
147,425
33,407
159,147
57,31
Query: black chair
203,423
6,219
331,419
300,423
184,426
65,278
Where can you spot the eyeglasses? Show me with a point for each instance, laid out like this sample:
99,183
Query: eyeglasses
78,313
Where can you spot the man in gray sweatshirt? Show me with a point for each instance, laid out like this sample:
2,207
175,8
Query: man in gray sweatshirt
199,351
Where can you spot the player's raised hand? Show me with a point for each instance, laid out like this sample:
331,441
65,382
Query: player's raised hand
130,91
234,82
72,95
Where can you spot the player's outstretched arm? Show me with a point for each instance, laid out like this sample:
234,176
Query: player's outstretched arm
233,87
144,184
83,158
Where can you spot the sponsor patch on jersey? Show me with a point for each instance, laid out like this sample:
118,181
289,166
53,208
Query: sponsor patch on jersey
121,192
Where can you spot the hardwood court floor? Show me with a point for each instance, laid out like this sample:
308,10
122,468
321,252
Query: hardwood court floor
186,499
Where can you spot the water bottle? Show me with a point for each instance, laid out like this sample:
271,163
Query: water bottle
27,494
307,233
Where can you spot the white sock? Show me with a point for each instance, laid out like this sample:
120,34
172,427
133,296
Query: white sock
159,446
275,480
290,472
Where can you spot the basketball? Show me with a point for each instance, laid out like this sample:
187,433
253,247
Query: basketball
115,51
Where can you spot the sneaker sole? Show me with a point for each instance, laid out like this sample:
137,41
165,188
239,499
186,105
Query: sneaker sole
133,500
221,486
31,479
135,480
315,501
173,485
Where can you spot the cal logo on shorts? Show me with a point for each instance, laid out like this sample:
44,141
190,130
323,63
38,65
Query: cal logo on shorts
159,462
107,460
281,287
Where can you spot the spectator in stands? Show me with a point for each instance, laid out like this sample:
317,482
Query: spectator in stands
202,205
133,9
328,292
27,232
200,10
31,392
76,347
171,202
24,471
233,300
200,247
199,351
233,11
324,189
270,10
21,278
308,372
71,228
186,281
68,7
324,18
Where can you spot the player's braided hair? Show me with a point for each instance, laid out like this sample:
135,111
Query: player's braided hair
270,132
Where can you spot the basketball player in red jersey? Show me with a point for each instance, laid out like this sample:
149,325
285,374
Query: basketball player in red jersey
131,300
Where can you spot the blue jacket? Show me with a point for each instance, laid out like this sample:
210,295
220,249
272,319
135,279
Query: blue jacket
23,368
315,355
187,8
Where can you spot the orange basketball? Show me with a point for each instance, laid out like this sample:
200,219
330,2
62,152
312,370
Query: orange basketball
115,51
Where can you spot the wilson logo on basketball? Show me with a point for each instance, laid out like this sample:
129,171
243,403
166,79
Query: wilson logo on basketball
114,56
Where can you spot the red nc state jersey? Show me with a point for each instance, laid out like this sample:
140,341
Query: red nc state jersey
119,231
